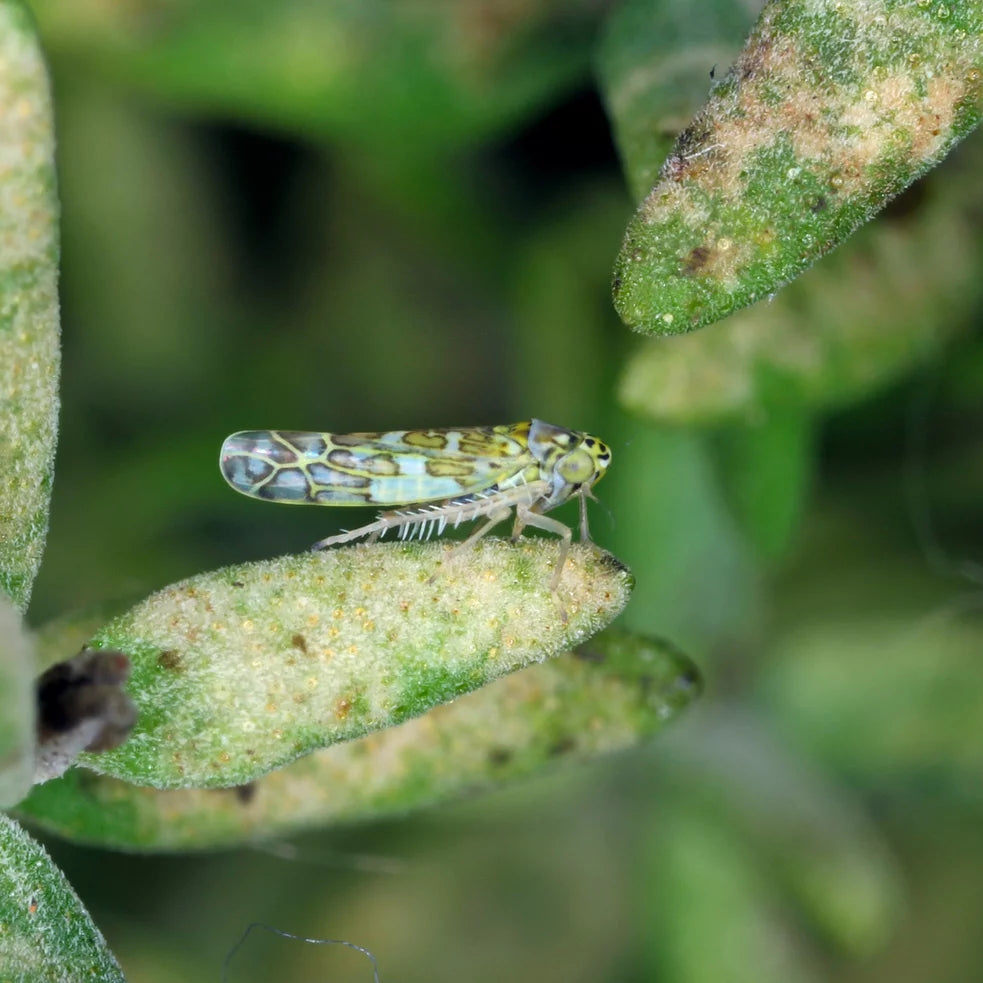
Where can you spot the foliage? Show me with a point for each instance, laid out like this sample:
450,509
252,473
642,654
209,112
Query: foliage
829,111
356,216
28,306
47,934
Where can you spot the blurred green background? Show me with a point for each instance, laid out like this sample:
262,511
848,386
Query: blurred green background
357,216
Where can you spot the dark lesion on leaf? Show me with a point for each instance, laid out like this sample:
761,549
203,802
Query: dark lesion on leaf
691,139
697,260
170,659
754,59
81,706
299,642
610,561
693,146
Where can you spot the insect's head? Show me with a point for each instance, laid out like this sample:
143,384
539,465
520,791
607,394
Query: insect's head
585,463
574,460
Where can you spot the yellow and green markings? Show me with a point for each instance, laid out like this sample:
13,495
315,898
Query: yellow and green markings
431,479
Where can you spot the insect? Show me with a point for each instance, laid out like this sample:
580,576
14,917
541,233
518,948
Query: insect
433,478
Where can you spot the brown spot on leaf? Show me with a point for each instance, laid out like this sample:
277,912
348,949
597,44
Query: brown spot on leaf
754,58
299,642
170,659
697,260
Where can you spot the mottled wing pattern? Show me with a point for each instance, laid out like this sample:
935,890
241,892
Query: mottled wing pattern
398,467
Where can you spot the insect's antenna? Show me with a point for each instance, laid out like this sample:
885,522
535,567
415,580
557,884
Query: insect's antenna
296,938
606,511
586,492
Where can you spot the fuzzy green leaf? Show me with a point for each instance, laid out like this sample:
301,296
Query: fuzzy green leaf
244,669
28,304
611,693
654,64
859,320
830,111
16,707
46,936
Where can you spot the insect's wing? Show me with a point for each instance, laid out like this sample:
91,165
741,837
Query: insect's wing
399,467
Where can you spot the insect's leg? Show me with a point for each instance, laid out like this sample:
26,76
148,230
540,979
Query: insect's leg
383,523
494,518
584,531
530,518
373,530
517,526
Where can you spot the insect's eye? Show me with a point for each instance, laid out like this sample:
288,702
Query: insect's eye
576,467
